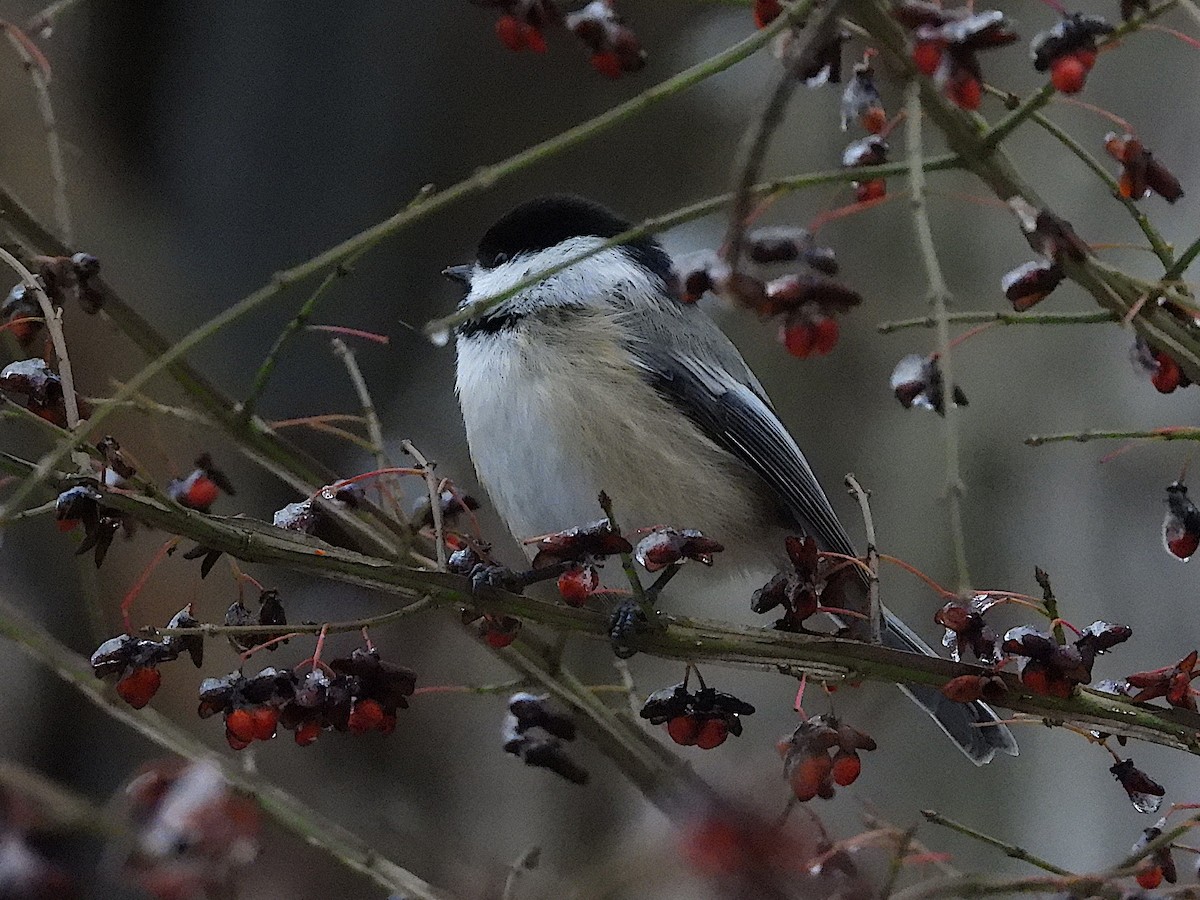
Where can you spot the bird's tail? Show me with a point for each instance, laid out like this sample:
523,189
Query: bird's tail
972,726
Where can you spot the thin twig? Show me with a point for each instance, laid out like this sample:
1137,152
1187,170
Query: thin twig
897,862
1009,849
874,615
53,319
1170,433
1002,318
1185,259
435,500
41,91
939,298
526,862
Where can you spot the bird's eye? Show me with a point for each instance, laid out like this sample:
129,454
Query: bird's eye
499,259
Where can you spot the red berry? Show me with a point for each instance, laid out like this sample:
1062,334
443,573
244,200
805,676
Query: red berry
307,733
139,686
965,90
235,743
1068,74
239,724
367,715
927,56
499,639
1149,877
264,720
684,730
712,734
511,33
201,495
533,39
797,338
825,335
1168,375
846,767
607,64
388,725
870,190
874,120
809,775
766,12
576,585
1185,545
1087,57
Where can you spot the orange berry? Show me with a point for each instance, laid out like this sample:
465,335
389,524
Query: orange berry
712,734
874,120
533,39
684,730
367,715
139,686
239,724
1068,74
201,495
511,33
798,339
966,91
809,775
825,335
264,720
307,733
766,12
1149,877
870,190
576,585
607,64
1168,375
927,56
846,767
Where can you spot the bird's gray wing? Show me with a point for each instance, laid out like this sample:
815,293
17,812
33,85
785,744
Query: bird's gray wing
738,417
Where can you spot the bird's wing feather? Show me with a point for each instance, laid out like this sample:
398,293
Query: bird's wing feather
738,418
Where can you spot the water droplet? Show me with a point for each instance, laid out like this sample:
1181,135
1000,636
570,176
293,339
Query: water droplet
1145,803
440,338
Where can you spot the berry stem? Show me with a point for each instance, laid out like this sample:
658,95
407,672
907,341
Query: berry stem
132,594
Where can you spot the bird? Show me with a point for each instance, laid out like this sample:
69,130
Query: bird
598,377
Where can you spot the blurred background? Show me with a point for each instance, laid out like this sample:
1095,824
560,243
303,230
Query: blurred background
208,145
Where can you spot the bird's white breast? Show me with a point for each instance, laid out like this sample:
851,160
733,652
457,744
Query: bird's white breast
554,414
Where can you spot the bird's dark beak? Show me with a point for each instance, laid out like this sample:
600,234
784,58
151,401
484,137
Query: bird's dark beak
460,274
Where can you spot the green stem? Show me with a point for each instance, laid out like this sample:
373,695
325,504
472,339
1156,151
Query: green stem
984,317
1171,433
939,299
1010,850
1186,258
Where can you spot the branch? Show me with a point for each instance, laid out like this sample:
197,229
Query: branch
1010,850
1112,289
680,637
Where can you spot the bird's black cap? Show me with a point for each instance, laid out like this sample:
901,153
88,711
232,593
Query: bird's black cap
545,221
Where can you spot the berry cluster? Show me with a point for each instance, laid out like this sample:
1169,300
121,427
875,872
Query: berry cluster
200,488
1069,50
614,48
797,592
1173,683
59,276
82,504
663,547
1141,173
871,150
39,387
1165,373
805,302
808,765
537,735
1030,283
1159,866
358,694
1047,667
133,662
702,719
945,44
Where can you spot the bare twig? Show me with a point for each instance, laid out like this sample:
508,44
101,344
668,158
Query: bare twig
986,316
874,616
1009,849
526,862
939,298
435,500
1169,433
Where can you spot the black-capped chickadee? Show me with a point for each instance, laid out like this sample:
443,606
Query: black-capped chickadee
600,378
